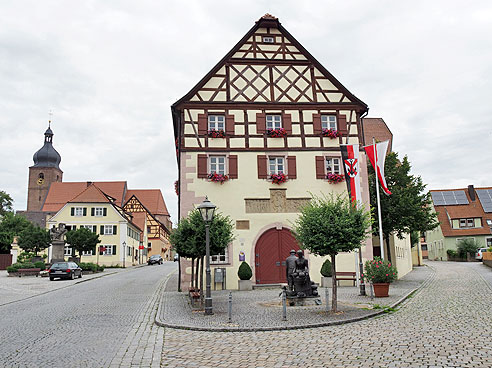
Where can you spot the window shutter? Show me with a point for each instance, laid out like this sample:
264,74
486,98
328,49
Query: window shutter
202,124
105,211
287,123
101,228
114,229
94,228
74,227
317,123
202,166
342,124
85,211
229,124
233,166
114,249
291,167
92,211
262,167
260,123
320,167
72,211
100,250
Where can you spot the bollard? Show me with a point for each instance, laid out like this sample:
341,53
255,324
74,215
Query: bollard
284,305
372,294
327,298
230,306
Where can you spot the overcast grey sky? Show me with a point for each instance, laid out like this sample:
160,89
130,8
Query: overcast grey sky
110,70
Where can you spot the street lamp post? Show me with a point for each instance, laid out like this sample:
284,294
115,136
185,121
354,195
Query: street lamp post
124,253
207,210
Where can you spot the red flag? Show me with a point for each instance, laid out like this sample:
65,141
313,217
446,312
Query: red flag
381,149
350,158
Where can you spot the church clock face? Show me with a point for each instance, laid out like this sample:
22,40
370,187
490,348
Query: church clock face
40,181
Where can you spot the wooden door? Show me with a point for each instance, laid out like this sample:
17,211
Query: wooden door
271,250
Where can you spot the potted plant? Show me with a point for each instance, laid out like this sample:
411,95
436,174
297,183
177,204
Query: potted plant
380,273
326,274
244,273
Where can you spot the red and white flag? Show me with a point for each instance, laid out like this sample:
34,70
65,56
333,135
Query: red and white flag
351,167
381,149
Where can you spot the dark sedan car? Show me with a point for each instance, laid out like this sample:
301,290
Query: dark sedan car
65,270
155,259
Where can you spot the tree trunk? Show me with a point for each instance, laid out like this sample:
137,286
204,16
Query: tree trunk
179,273
333,284
193,272
388,251
197,271
201,280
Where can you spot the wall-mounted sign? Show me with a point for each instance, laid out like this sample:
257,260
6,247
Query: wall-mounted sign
242,257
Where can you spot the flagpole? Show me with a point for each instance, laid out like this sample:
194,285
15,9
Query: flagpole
381,245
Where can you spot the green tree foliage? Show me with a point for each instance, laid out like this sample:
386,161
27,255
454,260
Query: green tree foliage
34,239
244,272
11,225
5,203
408,208
83,240
467,246
329,225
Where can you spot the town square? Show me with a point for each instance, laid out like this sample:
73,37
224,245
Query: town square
245,185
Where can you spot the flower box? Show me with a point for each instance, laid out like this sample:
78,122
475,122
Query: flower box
278,178
218,178
276,133
216,133
335,178
331,133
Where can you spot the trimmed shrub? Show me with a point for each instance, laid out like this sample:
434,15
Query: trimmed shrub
40,264
11,269
326,268
244,272
16,266
89,266
452,253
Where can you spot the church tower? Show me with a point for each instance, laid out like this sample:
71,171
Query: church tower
45,171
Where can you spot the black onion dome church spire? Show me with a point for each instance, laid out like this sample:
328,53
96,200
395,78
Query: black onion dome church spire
47,156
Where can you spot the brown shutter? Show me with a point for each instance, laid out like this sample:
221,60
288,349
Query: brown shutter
202,124
233,166
317,123
287,123
202,166
262,167
260,123
320,167
342,124
229,124
291,167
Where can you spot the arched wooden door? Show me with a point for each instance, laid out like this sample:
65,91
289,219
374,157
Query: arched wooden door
271,250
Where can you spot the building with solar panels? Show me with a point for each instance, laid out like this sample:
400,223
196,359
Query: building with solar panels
462,213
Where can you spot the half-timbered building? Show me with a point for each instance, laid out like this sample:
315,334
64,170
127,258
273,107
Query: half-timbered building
258,135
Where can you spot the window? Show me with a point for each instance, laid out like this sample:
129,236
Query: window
220,258
268,39
108,230
90,227
110,250
276,165
88,253
273,122
332,165
129,251
216,122
329,122
489,222
67,251
78,211
488,242
99,211
217,165
466,223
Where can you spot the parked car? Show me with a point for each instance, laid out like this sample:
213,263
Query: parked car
176,257
65,270
479,255
155,259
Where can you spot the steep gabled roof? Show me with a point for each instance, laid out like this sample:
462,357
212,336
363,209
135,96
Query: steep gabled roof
151,198
91,194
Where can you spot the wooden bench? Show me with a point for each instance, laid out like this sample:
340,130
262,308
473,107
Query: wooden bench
194,295
349,276
28,272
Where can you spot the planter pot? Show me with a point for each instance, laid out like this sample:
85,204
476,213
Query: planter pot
381,289
244,285
326,282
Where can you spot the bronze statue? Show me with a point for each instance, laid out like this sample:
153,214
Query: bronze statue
290,264
303,286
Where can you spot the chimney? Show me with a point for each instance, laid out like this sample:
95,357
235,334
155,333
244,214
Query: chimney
471,192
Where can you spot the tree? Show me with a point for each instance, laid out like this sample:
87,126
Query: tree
5,203
188,239
83,240
34,239
329,225
467,246
408,208
10,226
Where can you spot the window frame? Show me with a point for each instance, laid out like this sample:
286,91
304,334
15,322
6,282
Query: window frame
210,157
268,39
108,247
66,250
275,121
332,171
277,171
327,124
467,223
97,209
108,227
217,260
76,211
213,120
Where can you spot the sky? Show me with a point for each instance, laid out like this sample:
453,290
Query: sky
110,70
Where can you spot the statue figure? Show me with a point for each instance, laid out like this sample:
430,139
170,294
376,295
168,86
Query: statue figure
58,243
290,264
303,286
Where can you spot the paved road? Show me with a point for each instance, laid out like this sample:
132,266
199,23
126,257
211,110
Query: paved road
446,324
105,322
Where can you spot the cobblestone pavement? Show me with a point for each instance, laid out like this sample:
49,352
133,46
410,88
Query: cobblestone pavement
448,323
105,322
261,309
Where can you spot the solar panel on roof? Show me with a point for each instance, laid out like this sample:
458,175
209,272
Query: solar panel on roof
449,198
485,197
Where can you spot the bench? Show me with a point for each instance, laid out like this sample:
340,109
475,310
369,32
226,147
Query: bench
194,295
28,272
350,276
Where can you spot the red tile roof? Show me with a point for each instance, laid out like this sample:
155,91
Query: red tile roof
91,194
151,198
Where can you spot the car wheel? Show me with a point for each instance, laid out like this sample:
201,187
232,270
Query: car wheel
80,276
72,276
52,279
